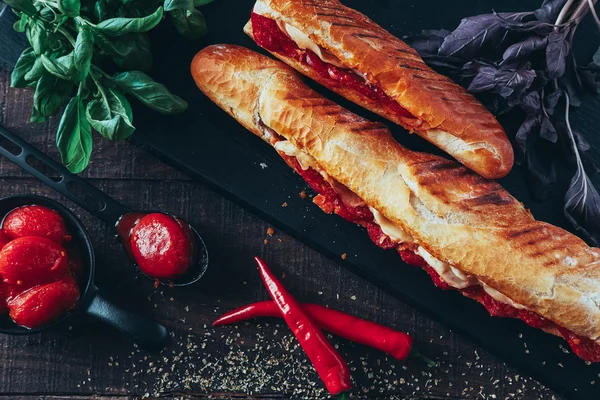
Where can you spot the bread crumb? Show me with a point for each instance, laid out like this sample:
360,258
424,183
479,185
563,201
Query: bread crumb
284,204
270,231
280,241
344,256
303,195
266,241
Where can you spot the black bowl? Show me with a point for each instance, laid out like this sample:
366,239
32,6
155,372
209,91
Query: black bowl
149,334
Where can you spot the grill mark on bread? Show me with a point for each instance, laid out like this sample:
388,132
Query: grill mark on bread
366,36
349,26
433,167
493,198
523,231
406,51
411,67
322,7
440,164
366,128
338,16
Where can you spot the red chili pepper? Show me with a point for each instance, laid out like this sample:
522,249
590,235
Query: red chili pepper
330,366
394,343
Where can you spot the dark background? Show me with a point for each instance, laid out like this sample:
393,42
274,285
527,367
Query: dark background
209,145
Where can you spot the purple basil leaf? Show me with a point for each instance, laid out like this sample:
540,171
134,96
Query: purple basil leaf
523,133
525,48
505,91
485,80
556,54
452,64
541,78
514,82
589,163
551,100
475,32
582,205
549,10
427,42
582,143
541,28
530,102
596,58
472,68
567,85
547,130
589,79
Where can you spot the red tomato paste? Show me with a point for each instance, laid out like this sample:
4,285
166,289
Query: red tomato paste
32,260
269,36
4,238
36,220
37,283
162,246
37,306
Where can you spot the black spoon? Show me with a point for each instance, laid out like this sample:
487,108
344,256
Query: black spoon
147,333
96,202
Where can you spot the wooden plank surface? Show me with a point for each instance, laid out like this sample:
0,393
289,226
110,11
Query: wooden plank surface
86,359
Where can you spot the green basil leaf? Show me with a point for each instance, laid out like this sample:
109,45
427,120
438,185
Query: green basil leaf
130,51
152,94
101,10
20,25
74,137
171,5
190,24
50,95
120,26
36,71
111,115
37,36
198,3
22,5
70,8
83,52
62,67
48,14
22,67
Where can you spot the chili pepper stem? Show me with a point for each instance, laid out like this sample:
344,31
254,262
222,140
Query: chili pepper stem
414,353
342,396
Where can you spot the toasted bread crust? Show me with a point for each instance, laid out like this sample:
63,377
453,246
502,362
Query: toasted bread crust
474,136
459,217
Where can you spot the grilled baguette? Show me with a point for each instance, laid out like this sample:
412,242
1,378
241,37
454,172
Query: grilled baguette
460,218
446,114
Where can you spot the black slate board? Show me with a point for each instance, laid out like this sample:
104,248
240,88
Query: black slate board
210,146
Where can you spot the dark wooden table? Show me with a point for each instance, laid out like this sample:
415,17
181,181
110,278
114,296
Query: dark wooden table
260,359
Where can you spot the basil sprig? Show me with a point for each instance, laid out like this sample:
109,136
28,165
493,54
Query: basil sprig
72,41
524,60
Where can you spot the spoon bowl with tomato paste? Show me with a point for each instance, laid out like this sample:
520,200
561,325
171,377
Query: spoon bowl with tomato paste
165,248
60,283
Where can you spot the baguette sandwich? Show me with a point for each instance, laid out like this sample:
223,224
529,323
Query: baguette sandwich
466,231
348,53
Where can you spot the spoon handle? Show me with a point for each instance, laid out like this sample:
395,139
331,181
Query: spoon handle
147,333
53,174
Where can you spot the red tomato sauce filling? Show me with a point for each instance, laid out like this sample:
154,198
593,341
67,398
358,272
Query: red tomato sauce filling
269,36
330,202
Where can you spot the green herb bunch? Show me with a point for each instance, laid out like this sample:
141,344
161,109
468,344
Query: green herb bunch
73,44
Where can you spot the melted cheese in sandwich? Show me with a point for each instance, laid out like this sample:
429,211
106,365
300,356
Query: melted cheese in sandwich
307,161
452,276
387,227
